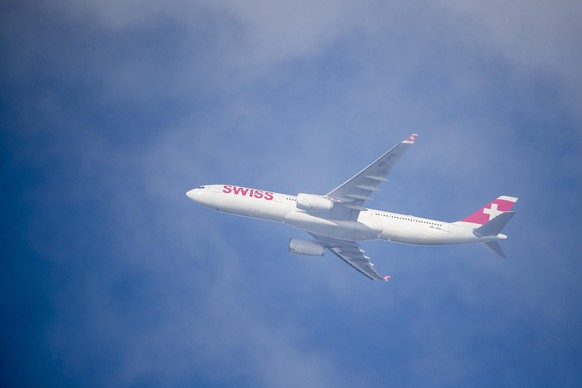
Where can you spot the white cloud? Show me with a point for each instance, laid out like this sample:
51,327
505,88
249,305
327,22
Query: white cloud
538,37
540,34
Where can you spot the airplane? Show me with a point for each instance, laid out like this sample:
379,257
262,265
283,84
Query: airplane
338,221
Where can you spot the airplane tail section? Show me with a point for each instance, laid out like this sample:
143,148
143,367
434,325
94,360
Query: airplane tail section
495,226
490,211
493,229
490,220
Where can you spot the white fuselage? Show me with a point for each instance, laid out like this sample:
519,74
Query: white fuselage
371,224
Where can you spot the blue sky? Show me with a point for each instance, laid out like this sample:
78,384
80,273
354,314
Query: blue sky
111,111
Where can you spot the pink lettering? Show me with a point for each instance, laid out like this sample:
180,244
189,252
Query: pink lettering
240,190
251,193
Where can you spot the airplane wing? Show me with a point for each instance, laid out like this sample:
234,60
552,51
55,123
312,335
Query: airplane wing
355,191
351,253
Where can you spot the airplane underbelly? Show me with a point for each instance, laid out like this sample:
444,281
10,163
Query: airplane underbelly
428,236
343,230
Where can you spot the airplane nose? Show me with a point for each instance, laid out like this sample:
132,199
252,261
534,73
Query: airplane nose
193,194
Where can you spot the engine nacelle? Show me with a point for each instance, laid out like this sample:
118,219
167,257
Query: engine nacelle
306,248
314,203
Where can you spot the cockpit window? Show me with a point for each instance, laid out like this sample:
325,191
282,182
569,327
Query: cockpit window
201,187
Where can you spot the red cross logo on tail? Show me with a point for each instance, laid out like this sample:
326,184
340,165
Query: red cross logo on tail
494,208
492,211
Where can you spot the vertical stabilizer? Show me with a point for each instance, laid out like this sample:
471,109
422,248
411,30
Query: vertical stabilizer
489,221
488,212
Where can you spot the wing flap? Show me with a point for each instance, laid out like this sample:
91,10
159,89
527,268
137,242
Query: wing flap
351,253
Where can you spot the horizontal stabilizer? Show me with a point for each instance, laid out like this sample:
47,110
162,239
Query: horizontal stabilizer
495,226
494,247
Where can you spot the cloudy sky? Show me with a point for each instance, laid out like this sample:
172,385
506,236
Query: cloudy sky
111,110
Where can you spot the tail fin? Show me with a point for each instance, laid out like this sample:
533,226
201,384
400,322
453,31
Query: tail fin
491,210
490,221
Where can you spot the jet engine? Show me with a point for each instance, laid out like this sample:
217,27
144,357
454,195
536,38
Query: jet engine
315,203
306,248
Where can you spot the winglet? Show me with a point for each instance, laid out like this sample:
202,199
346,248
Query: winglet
410,139
386,278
